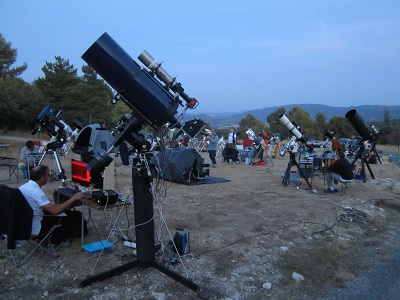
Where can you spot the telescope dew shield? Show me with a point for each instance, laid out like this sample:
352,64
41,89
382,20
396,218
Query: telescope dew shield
359,124
138,89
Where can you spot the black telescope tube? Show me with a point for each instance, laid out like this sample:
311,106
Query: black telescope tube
140,91
359,124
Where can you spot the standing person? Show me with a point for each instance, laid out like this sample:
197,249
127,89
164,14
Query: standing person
231,139
39,202
26,156
212,147
340,169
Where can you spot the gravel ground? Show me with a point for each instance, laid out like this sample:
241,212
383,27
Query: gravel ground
242,235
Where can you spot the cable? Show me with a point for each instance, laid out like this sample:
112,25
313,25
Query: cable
350,214
315,234
251,237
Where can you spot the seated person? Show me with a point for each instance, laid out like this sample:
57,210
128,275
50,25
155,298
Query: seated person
340,169
39,202
27,155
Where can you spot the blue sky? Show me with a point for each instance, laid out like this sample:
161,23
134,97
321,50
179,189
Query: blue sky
231,55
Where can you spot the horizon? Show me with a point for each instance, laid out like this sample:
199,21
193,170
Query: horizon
297,104
229,54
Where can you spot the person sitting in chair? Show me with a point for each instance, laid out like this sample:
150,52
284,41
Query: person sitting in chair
39,202
27,155
336,172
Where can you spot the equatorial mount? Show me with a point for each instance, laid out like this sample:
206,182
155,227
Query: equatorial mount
155,104
296,143
367,143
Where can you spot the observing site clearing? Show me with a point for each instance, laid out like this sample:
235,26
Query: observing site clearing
185,214
249,237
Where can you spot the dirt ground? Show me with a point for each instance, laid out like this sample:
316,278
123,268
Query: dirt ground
247,237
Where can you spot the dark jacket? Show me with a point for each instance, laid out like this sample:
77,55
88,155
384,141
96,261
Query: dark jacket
15,215
343,168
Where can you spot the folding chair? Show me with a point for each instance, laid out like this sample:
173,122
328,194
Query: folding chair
345,184
16,224
38,242
230,154
12,165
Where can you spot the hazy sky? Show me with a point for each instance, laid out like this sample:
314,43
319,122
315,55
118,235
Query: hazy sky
231,55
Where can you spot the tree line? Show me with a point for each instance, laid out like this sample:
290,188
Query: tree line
389,130
87,98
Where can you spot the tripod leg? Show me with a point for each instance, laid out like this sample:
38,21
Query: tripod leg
42,158
377,155
370,171
270,159
258,155
302,174
363,169
286,176
59,168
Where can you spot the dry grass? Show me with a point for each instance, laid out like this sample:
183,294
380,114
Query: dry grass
338,262
16,141
389,148
238,228
388,204
14,145
324,263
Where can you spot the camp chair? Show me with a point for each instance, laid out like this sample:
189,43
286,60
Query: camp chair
230,154
16,224
12,165
37,242
345,184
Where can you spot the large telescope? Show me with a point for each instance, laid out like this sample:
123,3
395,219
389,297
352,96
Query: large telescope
293,129
135,85
360,126
154,102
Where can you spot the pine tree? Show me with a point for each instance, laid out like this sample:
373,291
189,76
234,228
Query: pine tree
8,56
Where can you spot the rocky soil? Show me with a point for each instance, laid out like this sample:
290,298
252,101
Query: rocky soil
248,237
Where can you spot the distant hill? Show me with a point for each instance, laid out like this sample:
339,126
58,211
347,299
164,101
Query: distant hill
370,113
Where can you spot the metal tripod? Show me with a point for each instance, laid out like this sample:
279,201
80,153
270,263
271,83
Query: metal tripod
286,176
360,154
260,155
144,230
61,171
